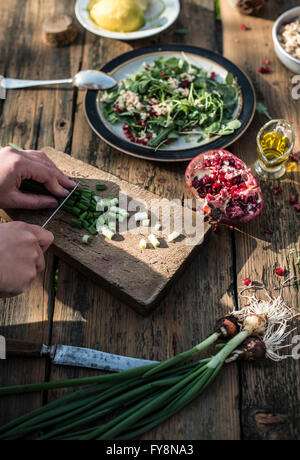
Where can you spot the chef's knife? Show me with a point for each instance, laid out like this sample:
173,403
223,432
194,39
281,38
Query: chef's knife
60,206
74,356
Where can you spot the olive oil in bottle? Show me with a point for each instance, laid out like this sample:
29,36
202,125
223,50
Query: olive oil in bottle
274,146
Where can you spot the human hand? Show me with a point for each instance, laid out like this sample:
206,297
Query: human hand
30,164
22,248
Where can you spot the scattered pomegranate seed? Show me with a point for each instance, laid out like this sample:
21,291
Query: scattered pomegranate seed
231,227
117,109
294,158
268,230
247,282
293,199
277,191
216,228
213,75
167,142
265,69
297,207
163,74
267,61
244,27
279,271
185,84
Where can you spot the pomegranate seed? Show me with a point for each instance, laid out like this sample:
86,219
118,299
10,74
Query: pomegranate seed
267,61
293,199
279,271
163,74
277,191
297,207
294,158
117,109
185,84
213,75
247,282
216,228
267,230
167,142
244,27
265,69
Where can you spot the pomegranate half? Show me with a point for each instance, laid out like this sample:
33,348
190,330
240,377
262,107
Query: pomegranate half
226,185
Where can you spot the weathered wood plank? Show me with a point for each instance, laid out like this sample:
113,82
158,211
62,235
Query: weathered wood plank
26,117
272,388
88,316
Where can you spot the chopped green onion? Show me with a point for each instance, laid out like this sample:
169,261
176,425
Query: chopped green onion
101,187
107,232
143,244
139,216
173,236
92,230
154,241
76,223
146,223
86,239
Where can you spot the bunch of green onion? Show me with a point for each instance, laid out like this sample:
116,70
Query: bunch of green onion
126,405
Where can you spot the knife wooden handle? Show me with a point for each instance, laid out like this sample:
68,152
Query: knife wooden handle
24,349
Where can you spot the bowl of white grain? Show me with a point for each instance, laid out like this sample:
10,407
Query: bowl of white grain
286,38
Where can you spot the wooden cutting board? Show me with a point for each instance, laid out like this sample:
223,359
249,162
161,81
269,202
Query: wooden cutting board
139,277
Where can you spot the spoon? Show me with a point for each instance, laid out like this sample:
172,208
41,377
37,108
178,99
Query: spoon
86,79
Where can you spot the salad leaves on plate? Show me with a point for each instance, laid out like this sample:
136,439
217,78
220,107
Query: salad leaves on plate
173,98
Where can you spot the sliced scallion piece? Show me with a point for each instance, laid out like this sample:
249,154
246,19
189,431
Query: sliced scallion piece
100,187
107,232
86,239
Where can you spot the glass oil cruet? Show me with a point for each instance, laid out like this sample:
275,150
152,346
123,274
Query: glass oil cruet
275,142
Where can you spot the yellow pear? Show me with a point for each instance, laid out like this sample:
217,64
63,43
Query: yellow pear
118,15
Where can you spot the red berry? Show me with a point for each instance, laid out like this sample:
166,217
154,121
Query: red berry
267,230
297,207
294,158
247,282
216,228
277,191
265,69
279,271
293,199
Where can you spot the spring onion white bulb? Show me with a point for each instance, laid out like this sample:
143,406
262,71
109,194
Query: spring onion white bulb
157,227
107,232
143,244
173,236
100,222
121,211
139,216
154,241
112,225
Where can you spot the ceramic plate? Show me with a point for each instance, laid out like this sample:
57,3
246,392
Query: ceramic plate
129,63
160,15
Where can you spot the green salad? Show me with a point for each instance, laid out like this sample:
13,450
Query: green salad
173,98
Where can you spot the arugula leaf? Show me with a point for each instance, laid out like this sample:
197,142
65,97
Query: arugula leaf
261,108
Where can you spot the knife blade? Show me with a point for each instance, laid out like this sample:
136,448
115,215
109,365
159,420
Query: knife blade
66,355
60,206
2,88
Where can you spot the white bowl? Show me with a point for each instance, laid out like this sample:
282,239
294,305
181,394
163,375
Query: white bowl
159,17
289,61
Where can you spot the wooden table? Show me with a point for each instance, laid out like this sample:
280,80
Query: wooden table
246,402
